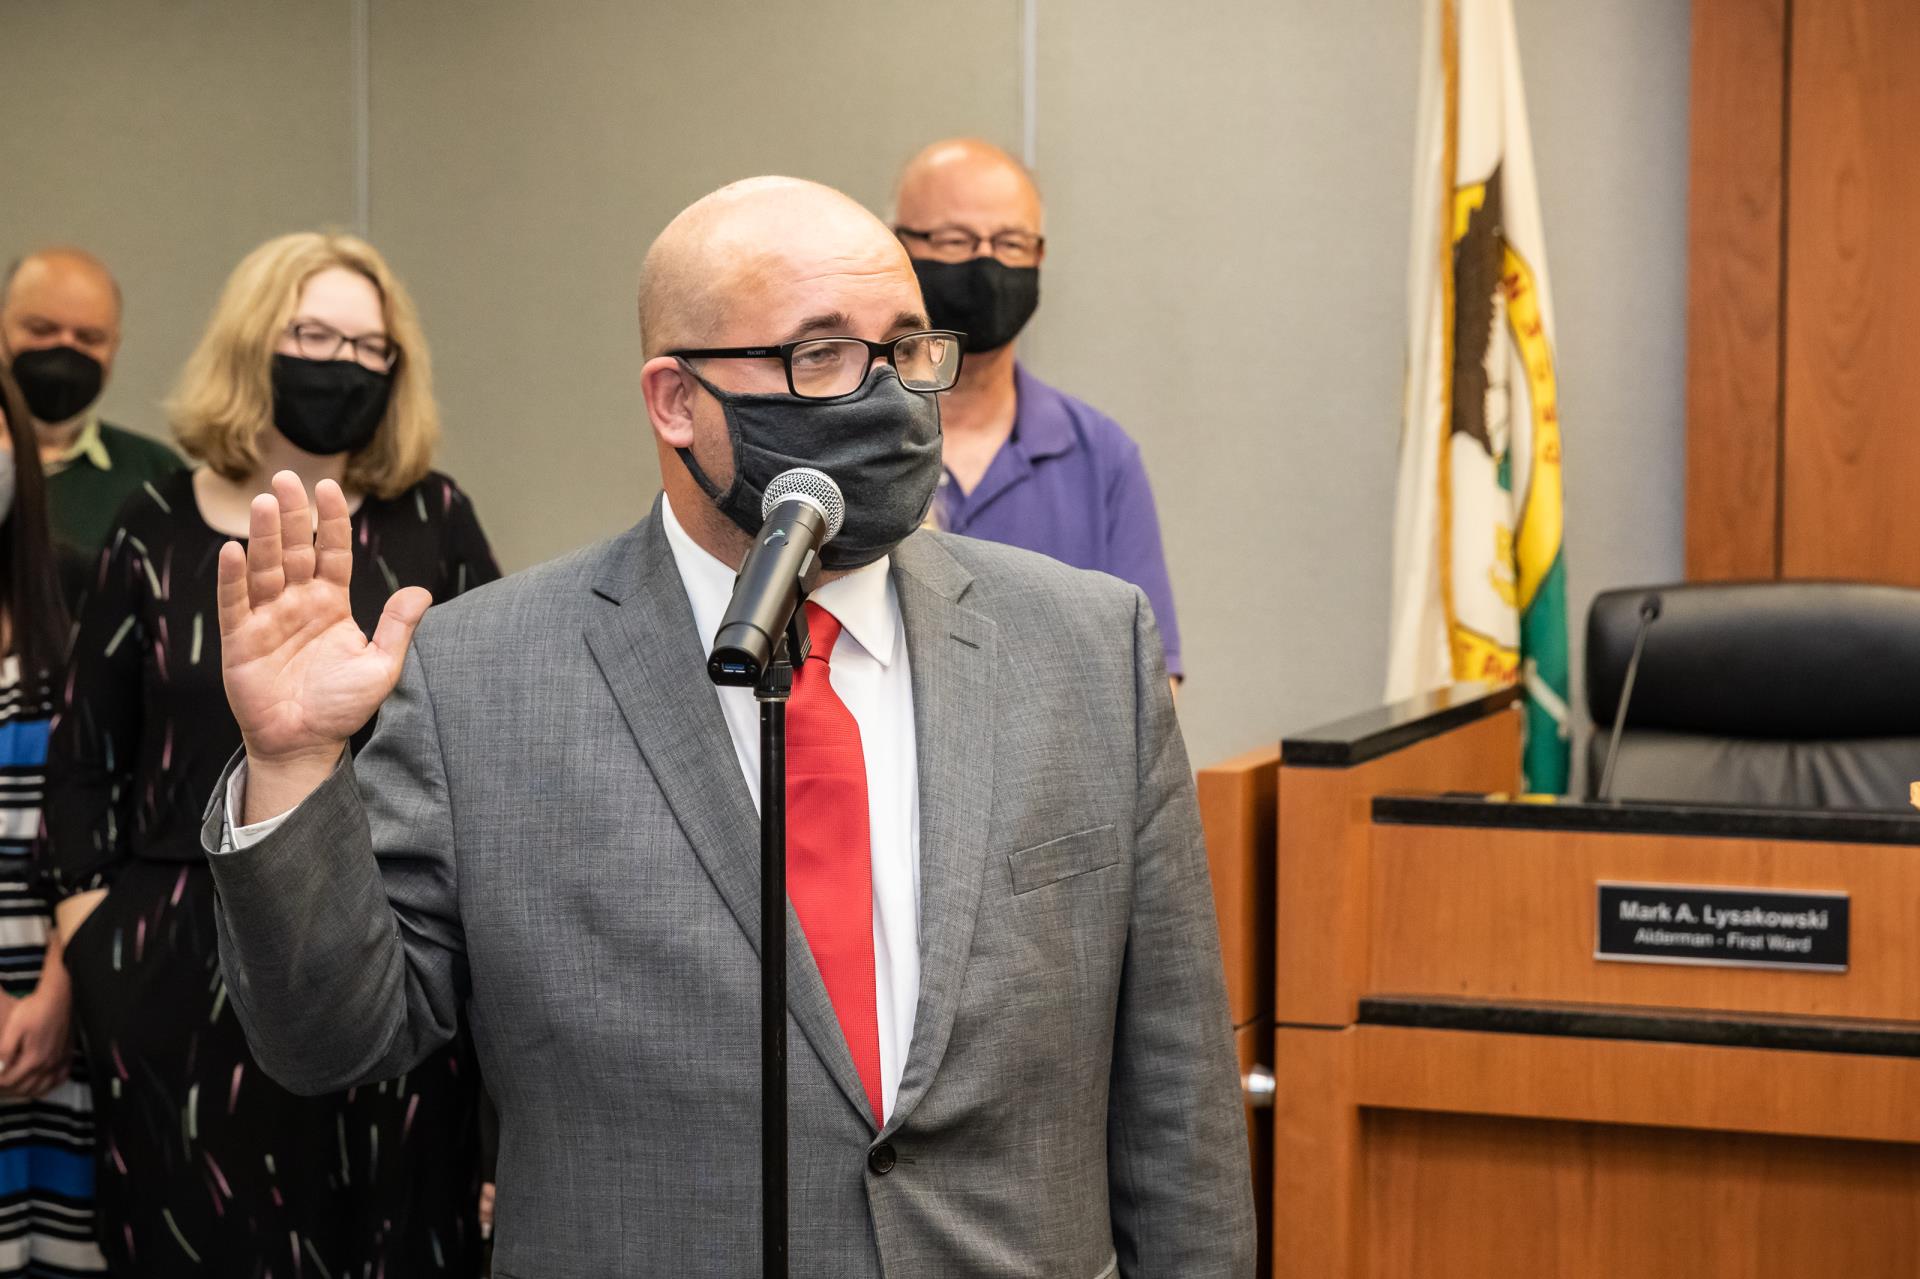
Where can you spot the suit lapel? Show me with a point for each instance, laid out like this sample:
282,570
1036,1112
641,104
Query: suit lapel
646,645
644,641
952,651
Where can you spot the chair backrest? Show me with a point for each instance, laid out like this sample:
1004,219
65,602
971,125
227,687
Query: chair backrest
1801,694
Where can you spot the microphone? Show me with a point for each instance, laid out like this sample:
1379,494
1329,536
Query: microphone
1649,613
803,510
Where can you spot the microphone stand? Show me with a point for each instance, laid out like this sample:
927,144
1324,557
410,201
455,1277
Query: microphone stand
1649,613
772,691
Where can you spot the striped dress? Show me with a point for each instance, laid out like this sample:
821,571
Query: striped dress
46,1145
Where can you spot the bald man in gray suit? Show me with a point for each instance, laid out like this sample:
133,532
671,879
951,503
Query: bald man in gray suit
553,832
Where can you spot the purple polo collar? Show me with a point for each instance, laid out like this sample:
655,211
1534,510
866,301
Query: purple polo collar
1040,421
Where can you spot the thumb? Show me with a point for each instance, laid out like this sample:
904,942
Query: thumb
397,622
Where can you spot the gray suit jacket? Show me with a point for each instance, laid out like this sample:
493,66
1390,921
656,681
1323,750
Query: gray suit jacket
549,832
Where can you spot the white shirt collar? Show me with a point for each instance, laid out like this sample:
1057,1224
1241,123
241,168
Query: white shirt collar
863,600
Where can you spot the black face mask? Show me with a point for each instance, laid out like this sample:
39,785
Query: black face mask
881,445
58,382
328,406
982,297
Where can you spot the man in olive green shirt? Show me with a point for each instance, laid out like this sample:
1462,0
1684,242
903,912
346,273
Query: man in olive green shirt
59,332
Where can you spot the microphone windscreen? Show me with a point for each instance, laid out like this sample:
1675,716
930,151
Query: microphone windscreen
815,487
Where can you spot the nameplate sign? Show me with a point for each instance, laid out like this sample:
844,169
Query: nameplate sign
1729,927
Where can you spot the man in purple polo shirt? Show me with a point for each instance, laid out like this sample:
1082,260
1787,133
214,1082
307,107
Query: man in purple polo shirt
1025,464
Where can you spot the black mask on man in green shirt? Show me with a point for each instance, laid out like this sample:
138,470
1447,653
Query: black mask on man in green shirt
58,382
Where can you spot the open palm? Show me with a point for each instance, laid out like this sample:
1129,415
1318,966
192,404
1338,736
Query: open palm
300,675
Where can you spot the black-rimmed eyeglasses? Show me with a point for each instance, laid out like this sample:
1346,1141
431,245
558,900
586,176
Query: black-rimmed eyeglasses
957,244
317,341
828,368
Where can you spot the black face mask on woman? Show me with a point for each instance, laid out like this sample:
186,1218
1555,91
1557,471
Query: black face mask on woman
328,406
881,445
982,297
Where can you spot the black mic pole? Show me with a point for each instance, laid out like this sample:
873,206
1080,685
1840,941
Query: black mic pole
772,690
1649,611
762,638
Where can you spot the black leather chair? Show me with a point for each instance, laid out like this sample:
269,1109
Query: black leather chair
1795,694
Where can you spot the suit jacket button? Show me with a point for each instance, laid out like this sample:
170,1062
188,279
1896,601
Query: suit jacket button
880,1159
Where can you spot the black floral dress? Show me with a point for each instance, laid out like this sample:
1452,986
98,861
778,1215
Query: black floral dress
205,1165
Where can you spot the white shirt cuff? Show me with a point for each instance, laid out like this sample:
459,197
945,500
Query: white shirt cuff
233,836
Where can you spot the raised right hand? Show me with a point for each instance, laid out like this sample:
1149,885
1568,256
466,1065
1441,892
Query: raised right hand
300,675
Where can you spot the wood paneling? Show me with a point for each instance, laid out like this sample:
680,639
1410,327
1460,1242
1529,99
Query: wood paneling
1510,914
1852,443
1734,221
1423,1154
1461,1198
1317,1227
1255,1046
1238,807
1612,1081
1321,929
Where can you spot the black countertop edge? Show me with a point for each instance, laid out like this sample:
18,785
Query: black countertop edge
1678,1026
1829,826
1396,726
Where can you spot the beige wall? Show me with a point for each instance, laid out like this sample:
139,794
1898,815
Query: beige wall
520,167
1235,180
1228,217
170,139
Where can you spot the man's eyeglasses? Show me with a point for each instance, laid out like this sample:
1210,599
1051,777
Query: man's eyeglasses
827,368
316,341
957,244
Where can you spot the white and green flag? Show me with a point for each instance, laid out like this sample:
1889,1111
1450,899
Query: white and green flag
1479,582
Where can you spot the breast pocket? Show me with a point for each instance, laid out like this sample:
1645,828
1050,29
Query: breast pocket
1063,858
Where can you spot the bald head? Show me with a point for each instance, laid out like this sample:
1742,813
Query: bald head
60,297
743,265
756,264
970,183
65,269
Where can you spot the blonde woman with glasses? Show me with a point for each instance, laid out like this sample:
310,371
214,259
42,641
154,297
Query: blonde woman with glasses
313,363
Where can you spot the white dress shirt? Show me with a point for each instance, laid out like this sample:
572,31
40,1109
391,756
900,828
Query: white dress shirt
871,676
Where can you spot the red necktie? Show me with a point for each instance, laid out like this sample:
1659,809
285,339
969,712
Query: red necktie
829,851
